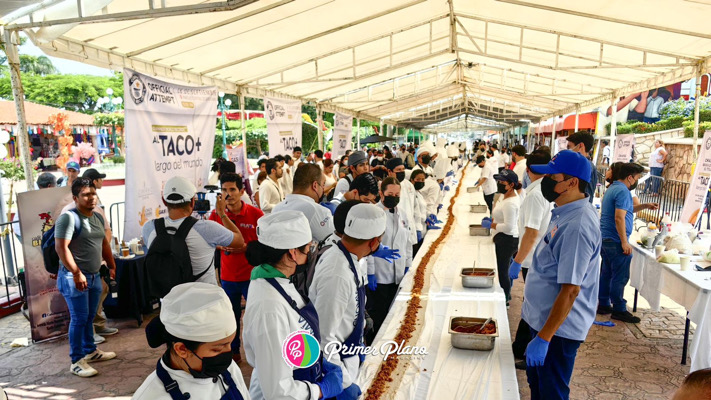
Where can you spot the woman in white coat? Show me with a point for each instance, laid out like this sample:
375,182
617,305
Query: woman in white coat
418,181
275,310
198,325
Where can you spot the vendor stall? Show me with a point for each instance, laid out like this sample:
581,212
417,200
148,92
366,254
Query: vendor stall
447,372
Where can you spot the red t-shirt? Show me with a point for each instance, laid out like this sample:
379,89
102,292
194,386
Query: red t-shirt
234,266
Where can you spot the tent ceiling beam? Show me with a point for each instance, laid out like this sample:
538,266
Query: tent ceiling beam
528,76
316,36
608,19
576,36
347,48
143,13
208,28
416,99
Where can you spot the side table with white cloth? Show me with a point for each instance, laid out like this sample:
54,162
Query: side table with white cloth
690,289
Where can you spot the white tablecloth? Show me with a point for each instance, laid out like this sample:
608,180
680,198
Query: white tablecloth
446,372
691,289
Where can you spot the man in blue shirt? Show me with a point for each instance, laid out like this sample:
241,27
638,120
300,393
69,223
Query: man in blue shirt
616,222
560,295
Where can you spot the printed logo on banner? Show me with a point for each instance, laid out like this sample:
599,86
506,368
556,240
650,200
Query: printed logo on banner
300,350
138,89
708,144
620,144
270,110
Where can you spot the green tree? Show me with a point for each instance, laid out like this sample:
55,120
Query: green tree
36,65
70,92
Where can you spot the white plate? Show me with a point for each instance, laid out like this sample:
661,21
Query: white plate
130,256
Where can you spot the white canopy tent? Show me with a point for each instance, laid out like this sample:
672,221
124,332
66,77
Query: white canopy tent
410,63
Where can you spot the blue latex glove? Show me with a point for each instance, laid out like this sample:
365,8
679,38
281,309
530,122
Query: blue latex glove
432,219
450,173
514,269
441,186
486,219
387,254
406,269
331,383
446,188
486,223
331,206
352,392
432,227
536,352
419,236
439,207
372,282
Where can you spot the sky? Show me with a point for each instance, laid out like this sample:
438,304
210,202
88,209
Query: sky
65,66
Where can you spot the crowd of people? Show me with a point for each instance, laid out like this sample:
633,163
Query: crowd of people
321,245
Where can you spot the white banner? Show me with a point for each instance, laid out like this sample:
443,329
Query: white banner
698,188
283,125
561,143
342,135
624,145
39,210
238,156
170,131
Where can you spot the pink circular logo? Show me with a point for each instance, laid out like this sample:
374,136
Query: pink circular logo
300,350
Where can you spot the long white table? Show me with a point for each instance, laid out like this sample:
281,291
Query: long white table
690,289
446,372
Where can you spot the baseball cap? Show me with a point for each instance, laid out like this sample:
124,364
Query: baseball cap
178,190
357,157
506,175
93,174
566,162
73,165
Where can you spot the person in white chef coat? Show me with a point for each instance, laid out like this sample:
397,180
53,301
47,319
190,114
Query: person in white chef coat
275,309
339,295
197,325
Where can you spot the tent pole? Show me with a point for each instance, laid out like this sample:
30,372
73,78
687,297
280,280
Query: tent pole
613,125
358,134
319,122
13,59
553,145
577,117
696,113
243,117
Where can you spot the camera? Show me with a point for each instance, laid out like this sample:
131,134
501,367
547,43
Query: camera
202,205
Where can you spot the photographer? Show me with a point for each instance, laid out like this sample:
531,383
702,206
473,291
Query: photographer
204,236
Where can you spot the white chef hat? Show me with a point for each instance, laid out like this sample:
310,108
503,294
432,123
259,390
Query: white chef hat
365,221
452,150
199,312
288,229
426,147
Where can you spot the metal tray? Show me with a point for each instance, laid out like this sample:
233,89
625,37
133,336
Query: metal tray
478,230
472,341
479,208
480,282
471,189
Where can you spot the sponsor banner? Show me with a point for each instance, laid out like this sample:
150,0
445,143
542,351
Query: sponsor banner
698,189
283,125
561,143
624,146
48,312
342,135
170,131
237,155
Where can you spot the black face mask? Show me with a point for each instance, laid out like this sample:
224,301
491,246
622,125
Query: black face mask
391,201
501,188
212,367
373,251
377,199
400,176
548,188
426,159
419,185
634,185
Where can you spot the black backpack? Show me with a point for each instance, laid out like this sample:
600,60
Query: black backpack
302,279
168,259
49,252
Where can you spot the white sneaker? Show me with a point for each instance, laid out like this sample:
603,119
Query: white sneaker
99,355
81,368
99,339
106,331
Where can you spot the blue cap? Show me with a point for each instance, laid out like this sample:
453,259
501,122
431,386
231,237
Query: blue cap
73,165
506,175
566,162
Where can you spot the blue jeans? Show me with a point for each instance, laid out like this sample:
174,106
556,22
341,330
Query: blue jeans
551,380
82,310
655,171
235,291
614,275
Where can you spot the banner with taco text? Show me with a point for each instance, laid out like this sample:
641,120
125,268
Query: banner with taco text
342,135
38,211
238,156
624,146
170,131
283,125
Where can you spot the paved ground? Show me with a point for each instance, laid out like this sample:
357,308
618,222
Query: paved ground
626,361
